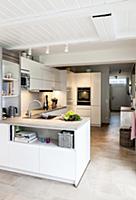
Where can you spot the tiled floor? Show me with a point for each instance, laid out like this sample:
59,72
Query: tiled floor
111,174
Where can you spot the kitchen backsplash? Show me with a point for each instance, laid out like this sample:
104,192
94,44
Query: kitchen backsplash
27,97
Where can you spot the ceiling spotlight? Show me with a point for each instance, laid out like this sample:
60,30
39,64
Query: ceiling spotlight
29,52
47,50
66,50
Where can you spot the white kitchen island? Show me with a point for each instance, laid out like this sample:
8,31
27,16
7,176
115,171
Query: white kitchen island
46,160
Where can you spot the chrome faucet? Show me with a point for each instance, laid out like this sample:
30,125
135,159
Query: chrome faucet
35,104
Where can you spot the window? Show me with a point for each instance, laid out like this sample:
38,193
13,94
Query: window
114,80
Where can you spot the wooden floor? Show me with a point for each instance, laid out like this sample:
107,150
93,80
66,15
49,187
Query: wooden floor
111,174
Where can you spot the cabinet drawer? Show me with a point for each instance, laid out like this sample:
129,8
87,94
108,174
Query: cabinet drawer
24,156
96,115
83,112
4,148
57,162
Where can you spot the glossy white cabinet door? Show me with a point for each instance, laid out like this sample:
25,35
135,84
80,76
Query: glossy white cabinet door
48,74
96,89
84,112
82,79
96,115
57,162
4,139
24,156
35,84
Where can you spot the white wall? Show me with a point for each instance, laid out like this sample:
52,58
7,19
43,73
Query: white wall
112,55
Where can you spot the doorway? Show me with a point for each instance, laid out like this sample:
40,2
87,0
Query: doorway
119,95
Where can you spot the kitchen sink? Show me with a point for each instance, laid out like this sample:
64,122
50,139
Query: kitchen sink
46,117
41,116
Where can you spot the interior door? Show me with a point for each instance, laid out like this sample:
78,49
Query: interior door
118,96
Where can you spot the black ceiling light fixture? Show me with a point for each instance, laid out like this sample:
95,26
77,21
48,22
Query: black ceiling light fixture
120,71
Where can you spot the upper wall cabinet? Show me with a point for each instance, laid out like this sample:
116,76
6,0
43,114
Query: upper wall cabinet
42,77
60,77
83,79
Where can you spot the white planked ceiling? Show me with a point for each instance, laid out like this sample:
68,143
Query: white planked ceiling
38,24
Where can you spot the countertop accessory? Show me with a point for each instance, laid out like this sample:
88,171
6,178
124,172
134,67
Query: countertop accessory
54,103
12,111
66,139
47,139
71,116
8,75
41,139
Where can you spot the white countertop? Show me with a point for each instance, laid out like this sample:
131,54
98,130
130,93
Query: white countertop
126,109
55,123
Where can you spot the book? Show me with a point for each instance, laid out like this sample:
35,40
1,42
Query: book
26,134
24,140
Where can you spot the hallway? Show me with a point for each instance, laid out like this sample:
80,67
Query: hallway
115,166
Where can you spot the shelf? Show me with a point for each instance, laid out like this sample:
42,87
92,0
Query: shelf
10,79
52,144
9,96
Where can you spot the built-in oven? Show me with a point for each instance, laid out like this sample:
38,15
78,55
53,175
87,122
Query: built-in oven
84,96
25,78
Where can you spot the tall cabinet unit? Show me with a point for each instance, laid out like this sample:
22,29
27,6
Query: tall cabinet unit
84,80
96,98
10,81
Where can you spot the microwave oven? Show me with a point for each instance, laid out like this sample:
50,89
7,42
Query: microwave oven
25,79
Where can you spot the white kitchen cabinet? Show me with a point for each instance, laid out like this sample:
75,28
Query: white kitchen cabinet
4,148
44,78
36,71
92,80
24,157
63,80
25,63
82,79
35,84
96,115
41,77
48,85
60,80
47,160
57,162
95,88
83,111
47,74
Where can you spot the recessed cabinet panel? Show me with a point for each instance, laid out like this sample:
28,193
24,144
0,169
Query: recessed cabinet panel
95,115
96,89
82,79
24,156
83,112
35,84
36,72
47,74
4,139
57,162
